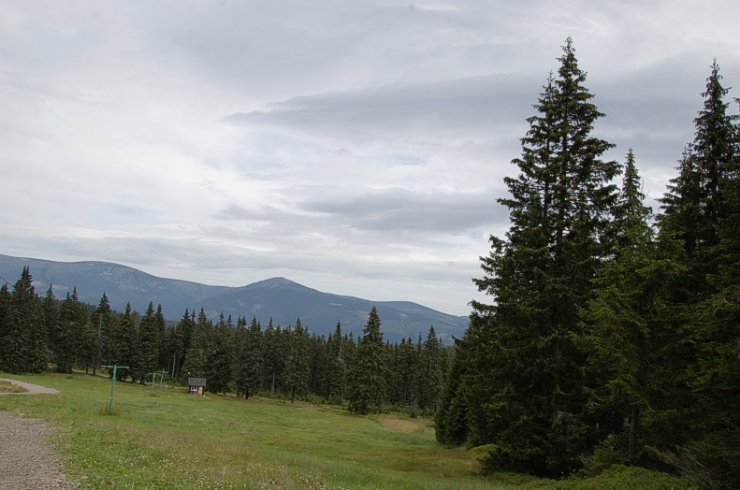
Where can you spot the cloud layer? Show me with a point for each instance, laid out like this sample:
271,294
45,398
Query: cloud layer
357,147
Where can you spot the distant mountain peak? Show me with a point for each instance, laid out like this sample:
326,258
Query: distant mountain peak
274,282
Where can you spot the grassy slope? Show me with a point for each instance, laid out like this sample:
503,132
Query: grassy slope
166,439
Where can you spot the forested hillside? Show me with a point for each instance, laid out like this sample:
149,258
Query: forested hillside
235,356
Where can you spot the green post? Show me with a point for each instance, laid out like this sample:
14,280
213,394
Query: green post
113,384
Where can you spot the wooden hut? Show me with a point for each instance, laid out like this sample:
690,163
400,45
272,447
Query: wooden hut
197,386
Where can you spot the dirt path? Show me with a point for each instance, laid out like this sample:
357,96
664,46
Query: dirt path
26,462
31,389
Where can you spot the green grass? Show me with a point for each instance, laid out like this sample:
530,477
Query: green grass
166,439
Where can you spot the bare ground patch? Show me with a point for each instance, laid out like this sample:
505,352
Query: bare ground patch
26,463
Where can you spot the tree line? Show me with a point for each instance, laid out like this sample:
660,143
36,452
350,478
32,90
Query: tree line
39,333
612,334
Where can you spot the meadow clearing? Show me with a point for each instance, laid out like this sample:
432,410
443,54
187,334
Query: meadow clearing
163,438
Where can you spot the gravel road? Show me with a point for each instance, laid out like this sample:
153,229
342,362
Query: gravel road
32,389
26,463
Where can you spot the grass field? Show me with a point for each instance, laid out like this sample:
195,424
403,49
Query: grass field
162,438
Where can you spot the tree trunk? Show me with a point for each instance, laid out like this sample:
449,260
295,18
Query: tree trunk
632,434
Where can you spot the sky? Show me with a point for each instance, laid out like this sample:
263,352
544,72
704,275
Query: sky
357,147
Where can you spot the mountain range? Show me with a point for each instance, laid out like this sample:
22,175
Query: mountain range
279,299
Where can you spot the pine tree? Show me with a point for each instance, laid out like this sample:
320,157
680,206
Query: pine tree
715,376
196,359
319,366
160,325
5,301
24,337
102,321
296,363
406,369
123,342
146,357
694,204
366,383
631,331
71,334
51,318
337,368
700,211
540,276
178,342
220,357
274,357
249,363
429,372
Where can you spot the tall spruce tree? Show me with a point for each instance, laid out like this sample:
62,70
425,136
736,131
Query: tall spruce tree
71,336
102,321
23,341
695,202
220,356
296,363
540,275
337,369
274,357
196,359
428,372
249,363
51,317
630,332
146,357
366,383
4,323
123,341
711,299
178,342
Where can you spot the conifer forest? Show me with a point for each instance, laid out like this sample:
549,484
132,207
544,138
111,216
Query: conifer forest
610,333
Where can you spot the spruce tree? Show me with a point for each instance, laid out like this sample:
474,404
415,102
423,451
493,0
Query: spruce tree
24,340
4,324
695,202
178,342
123,342
71,334
160,326
196,359
146,356
249,345
274,357
715,375
337,366
429,372
366,383
630,333
319,366
296,363
220,356
539,277
102,322
51,317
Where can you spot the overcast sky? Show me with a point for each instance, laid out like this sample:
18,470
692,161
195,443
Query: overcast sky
357,147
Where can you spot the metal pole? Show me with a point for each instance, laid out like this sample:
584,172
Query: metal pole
112,388
113,384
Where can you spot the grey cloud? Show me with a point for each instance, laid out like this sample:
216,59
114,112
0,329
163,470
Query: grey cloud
469,109
380,211
402,210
